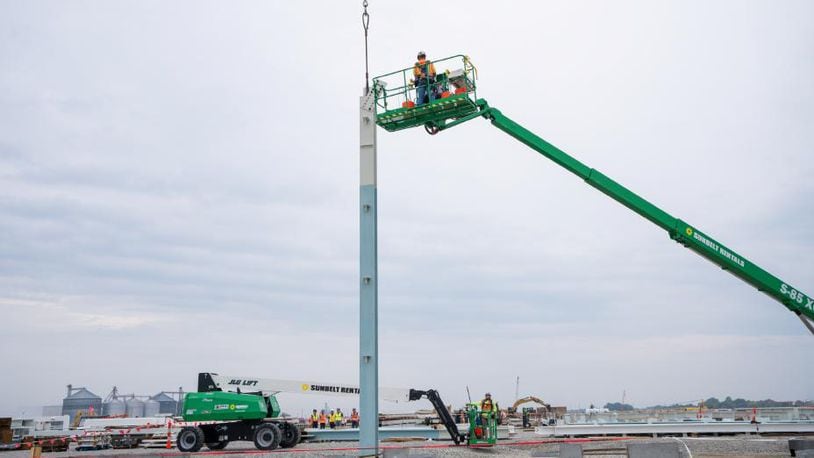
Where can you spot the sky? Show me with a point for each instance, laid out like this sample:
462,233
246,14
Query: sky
179,194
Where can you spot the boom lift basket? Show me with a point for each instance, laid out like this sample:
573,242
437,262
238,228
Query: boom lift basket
482,425
454,88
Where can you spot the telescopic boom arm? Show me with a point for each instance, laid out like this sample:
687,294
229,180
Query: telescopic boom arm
209,381
684,233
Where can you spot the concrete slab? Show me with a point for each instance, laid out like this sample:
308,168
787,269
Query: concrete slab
385,432
665,450
801,444
398,453
544,453
570,450
406,453
672,429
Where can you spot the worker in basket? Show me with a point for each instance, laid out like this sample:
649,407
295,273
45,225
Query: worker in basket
424,78
314,419
489,409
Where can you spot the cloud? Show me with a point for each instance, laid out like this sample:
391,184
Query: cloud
57,316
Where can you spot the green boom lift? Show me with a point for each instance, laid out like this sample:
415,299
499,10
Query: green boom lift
227,409
455,102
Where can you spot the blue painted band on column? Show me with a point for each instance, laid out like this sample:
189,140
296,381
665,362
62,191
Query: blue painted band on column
368,322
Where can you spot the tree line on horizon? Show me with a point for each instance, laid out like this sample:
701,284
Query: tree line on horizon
715,403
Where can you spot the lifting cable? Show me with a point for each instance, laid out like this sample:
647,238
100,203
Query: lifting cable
365,24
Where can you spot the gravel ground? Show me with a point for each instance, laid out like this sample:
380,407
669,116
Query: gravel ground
711,447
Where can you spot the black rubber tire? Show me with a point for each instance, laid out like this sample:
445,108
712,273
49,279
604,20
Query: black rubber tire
290,435
190,439
267,436
217,445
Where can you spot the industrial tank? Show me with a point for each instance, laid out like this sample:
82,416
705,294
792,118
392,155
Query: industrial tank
116,408
135,407
151,408
169,405
81,399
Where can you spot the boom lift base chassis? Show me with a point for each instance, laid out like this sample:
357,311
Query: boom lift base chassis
266,435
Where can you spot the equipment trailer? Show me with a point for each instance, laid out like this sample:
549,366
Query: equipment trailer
458,103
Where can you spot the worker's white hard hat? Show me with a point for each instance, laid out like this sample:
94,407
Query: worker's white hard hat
422,53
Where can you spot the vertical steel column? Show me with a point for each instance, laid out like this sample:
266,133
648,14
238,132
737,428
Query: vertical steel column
368,282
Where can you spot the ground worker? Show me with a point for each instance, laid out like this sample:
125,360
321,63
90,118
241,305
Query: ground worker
354,418
332,419
424,77
314,419
340,417
322,420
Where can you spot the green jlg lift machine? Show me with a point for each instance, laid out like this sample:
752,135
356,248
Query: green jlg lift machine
453,100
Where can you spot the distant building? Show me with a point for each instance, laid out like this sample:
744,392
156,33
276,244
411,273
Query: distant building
167,405
81,399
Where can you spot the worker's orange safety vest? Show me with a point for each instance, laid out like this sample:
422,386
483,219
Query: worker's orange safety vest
427,68
354,417
323,419
486,405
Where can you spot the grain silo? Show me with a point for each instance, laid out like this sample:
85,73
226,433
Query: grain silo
81,399
115,408
135,407
169,406
151,408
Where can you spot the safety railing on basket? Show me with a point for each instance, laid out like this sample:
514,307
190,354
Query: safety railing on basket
408,87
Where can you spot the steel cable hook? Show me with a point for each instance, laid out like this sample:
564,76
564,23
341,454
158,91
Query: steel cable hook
365,25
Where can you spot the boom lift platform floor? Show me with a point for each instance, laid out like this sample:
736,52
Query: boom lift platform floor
454,106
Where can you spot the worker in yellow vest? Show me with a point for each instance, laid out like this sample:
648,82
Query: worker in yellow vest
340,417
424,79
314,419
332,419
487,405
489,409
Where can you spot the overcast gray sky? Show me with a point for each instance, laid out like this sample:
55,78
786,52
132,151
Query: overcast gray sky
179,192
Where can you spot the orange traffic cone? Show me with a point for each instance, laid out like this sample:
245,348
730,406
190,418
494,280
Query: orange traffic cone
169,434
